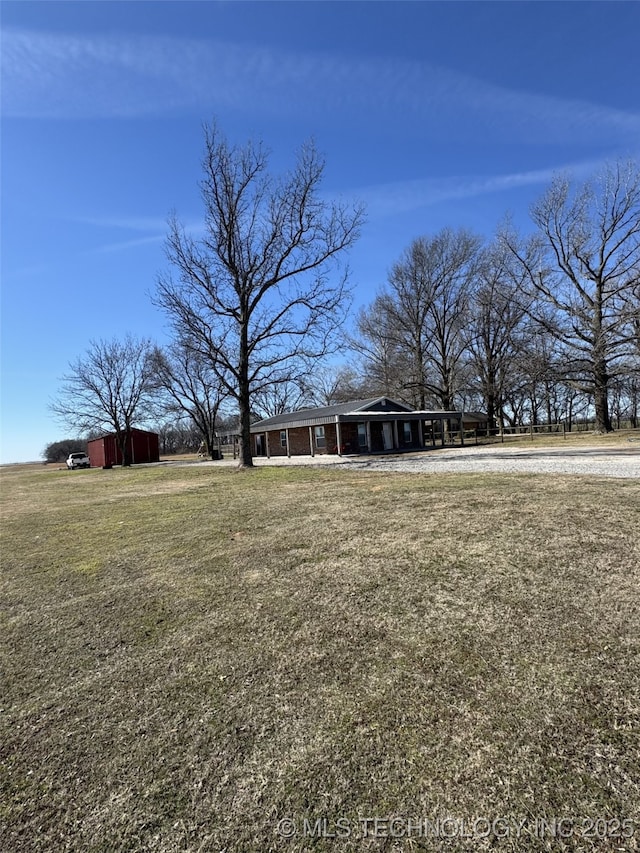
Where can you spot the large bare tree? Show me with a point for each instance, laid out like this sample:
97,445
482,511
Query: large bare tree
421,315
493,331
261,290
581,268
387,365
110,388
451,264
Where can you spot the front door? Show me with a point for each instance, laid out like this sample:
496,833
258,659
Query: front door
387,435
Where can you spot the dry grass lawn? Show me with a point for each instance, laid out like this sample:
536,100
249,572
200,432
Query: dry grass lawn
618,438
192,657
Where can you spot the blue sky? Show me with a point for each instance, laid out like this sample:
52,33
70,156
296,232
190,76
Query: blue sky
433,113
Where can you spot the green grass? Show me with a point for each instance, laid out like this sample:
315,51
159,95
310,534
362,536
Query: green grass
191,655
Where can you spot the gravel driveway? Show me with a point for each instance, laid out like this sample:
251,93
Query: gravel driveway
622,461
593,460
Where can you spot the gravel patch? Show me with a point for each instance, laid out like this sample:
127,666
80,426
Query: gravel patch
620,462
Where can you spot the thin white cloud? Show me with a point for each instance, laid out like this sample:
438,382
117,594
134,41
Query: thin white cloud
394,198
110,248
66,76
380,200
129,223
156,231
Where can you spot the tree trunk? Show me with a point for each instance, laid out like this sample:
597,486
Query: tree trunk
548,404
422,402
446,395
244,401
600,398
123,440
570,414
490,396
491,408
246,457
600,374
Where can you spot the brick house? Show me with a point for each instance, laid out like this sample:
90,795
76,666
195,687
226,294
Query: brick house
362,426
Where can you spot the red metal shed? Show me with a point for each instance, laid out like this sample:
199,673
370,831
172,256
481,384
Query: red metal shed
104,452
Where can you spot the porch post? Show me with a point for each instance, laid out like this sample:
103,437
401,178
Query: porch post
266,445
396,441
367,426
311,447
288,447
338,435
420,433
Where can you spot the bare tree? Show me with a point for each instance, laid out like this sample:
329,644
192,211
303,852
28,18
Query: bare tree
386,363
339,384
421,314
405,307
540,366
178,436
581,269
280,397
188,386
452,258
108,389
492,331
254,295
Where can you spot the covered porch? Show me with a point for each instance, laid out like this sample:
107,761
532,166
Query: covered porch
353,433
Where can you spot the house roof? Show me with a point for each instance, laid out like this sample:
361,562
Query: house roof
475,416
327,414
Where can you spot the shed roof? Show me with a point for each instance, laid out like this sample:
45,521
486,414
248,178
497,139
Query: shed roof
132,430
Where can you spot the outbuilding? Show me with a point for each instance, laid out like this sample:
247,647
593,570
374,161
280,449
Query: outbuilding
104,452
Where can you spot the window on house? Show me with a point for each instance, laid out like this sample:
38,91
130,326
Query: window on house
407,432
283,438
320,439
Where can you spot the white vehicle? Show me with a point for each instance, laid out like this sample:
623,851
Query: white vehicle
78,460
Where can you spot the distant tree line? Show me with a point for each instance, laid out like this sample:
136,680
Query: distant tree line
528,329
534,329
59,451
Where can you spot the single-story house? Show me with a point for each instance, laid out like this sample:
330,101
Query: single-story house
104,452
362,426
